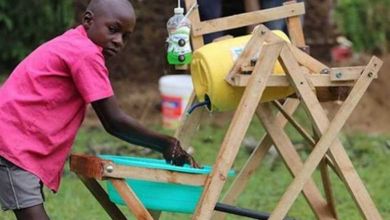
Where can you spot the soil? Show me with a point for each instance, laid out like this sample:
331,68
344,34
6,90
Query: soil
372,114
136,72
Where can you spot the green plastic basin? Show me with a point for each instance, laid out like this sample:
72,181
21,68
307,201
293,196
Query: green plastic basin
159,196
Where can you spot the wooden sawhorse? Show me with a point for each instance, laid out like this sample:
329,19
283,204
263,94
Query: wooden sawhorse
305,74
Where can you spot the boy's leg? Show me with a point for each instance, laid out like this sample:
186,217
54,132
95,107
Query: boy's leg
21,191
32,213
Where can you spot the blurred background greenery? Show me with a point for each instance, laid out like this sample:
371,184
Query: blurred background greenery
27,24
366,23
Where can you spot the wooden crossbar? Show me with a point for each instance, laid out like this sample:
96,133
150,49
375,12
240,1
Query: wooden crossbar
246,19
155,175
317,80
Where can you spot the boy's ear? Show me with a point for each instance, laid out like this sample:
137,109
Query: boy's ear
87,19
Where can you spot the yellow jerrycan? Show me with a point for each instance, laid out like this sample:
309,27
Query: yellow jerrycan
212,62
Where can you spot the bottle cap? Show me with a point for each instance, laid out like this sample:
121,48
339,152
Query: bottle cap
178,10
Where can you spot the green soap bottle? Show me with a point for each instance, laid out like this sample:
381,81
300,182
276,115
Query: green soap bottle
179,47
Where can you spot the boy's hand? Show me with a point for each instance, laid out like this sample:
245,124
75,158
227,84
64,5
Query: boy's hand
175,155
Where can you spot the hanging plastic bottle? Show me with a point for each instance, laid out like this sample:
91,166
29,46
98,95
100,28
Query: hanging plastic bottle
179,48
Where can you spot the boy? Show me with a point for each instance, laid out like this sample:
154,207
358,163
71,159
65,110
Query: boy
43,103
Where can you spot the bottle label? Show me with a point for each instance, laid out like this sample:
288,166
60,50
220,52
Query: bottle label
179,41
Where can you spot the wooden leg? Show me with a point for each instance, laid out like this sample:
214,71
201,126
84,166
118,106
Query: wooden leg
253,161
326,182
344,164
291,157
241,180
307,137
236,131
131,199
101,196
319,117
337,152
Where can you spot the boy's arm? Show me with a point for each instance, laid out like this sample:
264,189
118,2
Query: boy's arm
122,126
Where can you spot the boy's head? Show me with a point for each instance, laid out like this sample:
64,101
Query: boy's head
109,23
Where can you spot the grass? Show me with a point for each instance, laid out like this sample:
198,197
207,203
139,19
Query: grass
370,155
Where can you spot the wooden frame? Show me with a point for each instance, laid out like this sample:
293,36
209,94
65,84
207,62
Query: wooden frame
327,132
303,73
90,169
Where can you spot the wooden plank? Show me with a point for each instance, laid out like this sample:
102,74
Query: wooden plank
87,166
257,155
131,200
236,131
254,44
327,184
306,60
351,178
246,19
317,80
295,30
353,183
295,124
326,181
247,65
346,73
293,162
196,40
254,161
156,175
307,137
101,196
293,24
314,108
303,58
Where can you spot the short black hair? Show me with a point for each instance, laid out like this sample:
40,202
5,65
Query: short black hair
98,6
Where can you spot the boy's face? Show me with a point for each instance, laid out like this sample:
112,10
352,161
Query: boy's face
110,27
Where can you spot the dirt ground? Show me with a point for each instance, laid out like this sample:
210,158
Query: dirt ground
372,113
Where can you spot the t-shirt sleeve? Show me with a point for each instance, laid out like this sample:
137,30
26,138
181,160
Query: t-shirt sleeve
90,76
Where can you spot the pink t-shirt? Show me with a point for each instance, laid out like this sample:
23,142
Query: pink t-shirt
43,103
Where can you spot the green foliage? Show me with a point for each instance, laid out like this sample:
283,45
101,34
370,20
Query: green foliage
26,24
365,23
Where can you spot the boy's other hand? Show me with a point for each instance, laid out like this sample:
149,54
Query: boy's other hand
175,155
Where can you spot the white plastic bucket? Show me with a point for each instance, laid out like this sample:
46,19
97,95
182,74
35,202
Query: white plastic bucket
175,92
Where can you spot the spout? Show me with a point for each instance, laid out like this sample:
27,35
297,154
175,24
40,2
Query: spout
206,102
